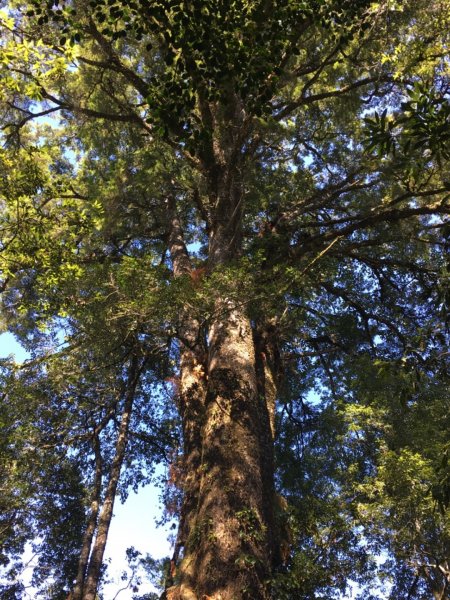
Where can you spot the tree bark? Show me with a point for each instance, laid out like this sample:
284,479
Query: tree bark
233,530
228,523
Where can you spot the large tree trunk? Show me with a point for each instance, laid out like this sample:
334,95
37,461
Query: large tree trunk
228,521
233,538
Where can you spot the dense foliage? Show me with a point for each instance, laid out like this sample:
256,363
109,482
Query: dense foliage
312,139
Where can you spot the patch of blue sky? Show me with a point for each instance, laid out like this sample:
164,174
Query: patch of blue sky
9,346
194,247
134,524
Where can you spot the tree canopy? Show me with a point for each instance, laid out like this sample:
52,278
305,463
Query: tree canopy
224,242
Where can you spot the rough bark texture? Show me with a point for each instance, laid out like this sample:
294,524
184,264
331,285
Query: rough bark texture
227,520
233,531
227,523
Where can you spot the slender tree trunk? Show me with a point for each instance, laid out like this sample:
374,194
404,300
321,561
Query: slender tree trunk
77,593
96,559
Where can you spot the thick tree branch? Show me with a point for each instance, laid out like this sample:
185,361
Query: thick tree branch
72,107
310,99
114,63
361,222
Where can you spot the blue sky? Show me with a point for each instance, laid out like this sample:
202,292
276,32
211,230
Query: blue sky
133,523
9,345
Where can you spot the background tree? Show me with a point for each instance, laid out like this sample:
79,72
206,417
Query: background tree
90,391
